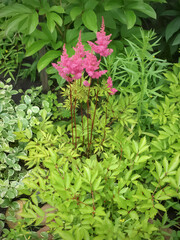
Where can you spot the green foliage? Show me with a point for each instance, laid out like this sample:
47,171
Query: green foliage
48,25
168,29
12,119
139,71
11,55
118,190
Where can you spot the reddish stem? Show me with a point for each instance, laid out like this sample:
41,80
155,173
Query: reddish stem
82,123
88,118
71,113
94,117
105,122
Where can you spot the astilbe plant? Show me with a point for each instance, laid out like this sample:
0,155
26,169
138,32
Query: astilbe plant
85,63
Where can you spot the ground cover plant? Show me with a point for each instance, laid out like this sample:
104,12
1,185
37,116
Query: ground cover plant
110,169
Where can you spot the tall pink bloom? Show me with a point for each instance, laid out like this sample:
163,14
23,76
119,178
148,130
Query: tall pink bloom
91,66
102,42
71,68
110,85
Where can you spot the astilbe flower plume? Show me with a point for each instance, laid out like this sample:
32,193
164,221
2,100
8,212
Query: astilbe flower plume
91,64
71,68
102,42
110,86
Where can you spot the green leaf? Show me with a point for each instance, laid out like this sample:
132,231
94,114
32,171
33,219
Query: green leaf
35,109
66,235
90,20
16,8
75,11
160,207
158,168
57,18
32,22
172,28
88,173
13,25
77,184
176,40
47,58
130,18
39,211
142,7
57,9
174,163
27,99
35,47
50,22
113,4
97,183
178,177
133,215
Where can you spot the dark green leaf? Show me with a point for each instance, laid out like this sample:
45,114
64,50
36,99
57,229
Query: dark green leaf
47,58
172,28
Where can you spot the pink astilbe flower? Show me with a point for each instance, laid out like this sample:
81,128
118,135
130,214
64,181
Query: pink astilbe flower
71,68
102,42
91,65
86,83
109,85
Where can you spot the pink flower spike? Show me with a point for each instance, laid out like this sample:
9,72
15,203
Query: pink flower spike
86,83
102,42
113,91
110,85
109,82
91,65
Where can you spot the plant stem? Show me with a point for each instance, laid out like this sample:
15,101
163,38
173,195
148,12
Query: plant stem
75,123
105,123
94,117
82,123
71,113
88,119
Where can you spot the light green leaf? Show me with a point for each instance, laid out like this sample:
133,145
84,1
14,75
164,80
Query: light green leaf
38,210
88,173
57,18
160,207
32,22
97,183
178,177
27,99
47,58
90,20
130,18
13,25
50,22
57,9
158,168
75,11
133,215
174,163
77,184
13,9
